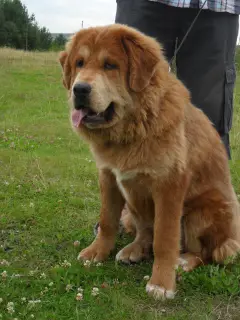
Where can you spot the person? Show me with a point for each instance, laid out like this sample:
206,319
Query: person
205,61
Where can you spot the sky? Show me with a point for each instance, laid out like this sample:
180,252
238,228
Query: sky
66,16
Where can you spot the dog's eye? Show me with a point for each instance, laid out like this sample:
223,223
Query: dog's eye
79,63
109,66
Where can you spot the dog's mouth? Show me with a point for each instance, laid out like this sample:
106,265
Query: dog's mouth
88,116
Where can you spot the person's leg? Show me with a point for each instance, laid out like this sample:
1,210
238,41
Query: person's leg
205,64
154,19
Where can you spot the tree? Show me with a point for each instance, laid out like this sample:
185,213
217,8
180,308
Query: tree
3,37
45,39
20,30
59,42
13,37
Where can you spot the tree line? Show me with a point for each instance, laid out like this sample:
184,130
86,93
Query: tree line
20,30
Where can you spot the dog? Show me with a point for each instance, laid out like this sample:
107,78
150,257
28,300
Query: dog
154,151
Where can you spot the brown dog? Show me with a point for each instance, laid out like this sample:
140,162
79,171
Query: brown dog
154,150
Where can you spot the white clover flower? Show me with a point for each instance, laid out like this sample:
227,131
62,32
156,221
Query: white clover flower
31,273
80,290
43,276
95,292
99,264
66,264
23,299
50,284
68,287
31,204
146,278
4,263
32,303
4,274
79,296
10,307
1,300
32,316
87,263
6,183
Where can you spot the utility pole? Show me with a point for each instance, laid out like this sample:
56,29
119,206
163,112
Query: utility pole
82,24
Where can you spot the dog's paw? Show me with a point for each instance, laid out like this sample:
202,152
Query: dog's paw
133,253
159,293
188,262
93,253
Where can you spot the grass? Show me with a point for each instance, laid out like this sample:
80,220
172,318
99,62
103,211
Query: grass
49,198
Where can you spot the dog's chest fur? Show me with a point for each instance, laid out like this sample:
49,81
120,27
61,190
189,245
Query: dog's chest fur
136,174
128,176
135,186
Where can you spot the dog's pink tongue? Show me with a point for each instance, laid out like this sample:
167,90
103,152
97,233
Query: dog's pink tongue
77,116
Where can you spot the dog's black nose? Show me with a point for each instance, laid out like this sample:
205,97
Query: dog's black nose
82,89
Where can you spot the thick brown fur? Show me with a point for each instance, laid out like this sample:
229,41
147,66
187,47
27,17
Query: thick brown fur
159,154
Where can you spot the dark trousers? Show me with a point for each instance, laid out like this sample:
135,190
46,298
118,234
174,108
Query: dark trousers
205,62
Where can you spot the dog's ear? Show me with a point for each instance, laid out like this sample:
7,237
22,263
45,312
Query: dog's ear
143,59
63,58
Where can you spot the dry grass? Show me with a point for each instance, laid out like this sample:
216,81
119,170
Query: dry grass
8,55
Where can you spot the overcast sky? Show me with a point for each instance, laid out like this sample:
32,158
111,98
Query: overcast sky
66,16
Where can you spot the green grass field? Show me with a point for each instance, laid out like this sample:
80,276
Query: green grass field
49,199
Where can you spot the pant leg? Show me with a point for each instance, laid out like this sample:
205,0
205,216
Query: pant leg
205,64
154,19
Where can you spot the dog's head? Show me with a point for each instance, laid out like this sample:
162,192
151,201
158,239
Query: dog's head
104,70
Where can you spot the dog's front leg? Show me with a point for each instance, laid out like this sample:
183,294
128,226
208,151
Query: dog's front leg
112,204
168,200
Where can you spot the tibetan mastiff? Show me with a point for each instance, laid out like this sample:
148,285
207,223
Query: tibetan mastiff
154,151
